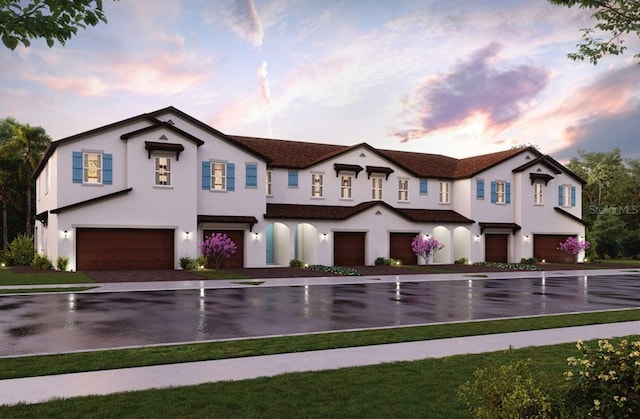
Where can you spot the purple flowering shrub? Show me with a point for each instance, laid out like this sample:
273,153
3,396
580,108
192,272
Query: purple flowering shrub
573,246
425,247
217,248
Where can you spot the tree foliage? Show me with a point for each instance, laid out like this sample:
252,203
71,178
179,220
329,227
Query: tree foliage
53,20
615,20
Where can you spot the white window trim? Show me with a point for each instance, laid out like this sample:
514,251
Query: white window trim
566,196
268,183
380,180
538,193
85,169
213,177
501,196
406,190
349,188
445,192
156,171
313,185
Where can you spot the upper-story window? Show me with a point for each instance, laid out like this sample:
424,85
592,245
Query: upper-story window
92,167
567,195
376,187
424,187
317,186
251,175
268,183
218,176
293,178
444,192
403,190
163,171
479,188
500,192
346,182
537,193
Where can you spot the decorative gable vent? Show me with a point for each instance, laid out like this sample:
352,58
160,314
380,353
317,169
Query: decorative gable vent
527,157
539,170
163,138
170,122
363,155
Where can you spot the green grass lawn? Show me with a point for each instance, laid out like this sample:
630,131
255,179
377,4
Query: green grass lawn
38,290
42,278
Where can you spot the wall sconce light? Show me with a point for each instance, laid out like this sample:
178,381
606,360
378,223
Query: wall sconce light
187,235
324,237
476,238
66,234
526,238
256,236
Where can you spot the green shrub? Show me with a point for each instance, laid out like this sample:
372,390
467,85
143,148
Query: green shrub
529,261
296,263
462,261
387,262
606,381
334,269
21,250
379,261
41,262
508,391
4,258
200,262
62,263
187,263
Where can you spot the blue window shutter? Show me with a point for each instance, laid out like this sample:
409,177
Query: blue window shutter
251,174
107,169
206,175
560,195
231,177
77,167
494,195
424,187
507,192
293,178
480,189
573,196
270,253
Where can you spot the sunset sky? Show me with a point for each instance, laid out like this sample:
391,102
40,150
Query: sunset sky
451,77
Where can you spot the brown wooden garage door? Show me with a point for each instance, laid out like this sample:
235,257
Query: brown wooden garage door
100,249
545,247
237,259
348,249
400,248
495,247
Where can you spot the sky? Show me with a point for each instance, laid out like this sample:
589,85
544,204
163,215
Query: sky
458,78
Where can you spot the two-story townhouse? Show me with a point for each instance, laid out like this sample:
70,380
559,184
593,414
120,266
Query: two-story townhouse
143,192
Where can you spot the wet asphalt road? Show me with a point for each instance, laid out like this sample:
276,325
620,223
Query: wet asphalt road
54,323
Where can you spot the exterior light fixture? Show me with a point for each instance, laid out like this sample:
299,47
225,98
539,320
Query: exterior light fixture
526,238
256,236
476,238
66,234
187,235
324,237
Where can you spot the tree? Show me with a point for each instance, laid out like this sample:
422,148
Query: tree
425,247
615,19
53,20
21,148
217,248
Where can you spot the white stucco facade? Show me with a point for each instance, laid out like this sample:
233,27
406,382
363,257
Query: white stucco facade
165,171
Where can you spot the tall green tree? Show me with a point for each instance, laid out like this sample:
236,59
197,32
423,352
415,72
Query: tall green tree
614,19
54,20
21,152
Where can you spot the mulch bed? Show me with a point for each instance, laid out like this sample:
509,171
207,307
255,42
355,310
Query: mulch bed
286,272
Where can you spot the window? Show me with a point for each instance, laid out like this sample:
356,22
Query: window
163,171
345,186
403,190
251,175
293,178
424,187
567,196
268,181
316,185
479,188
218,176
92,168
537,193
500,192
376,187
444,192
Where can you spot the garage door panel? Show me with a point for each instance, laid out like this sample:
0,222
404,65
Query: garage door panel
400,248
348,248
495,247
124,249
545,247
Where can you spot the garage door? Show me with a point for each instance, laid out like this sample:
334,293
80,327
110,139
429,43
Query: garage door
545,247
100,249
237,259
348,249
400,248
495,247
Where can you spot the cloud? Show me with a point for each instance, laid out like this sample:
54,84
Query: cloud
242,18
474,89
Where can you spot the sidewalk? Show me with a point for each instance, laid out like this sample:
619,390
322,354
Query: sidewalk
38,389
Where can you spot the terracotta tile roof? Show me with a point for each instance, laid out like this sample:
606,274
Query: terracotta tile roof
300,155
335,212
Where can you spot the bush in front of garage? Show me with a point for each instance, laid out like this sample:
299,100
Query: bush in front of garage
20,251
